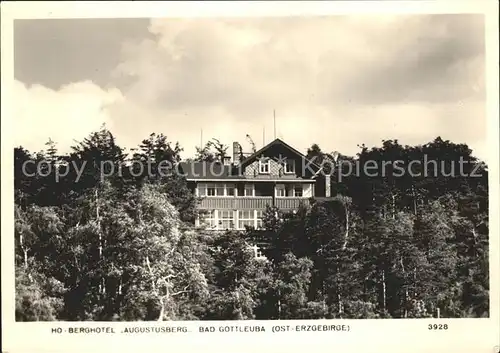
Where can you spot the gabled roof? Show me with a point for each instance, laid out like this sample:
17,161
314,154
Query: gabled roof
195,170
277,141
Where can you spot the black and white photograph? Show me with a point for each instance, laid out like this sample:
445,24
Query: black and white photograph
251,169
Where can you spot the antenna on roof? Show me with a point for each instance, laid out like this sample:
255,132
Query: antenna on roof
274,116
201,139
263,136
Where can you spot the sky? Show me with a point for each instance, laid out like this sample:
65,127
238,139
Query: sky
338,81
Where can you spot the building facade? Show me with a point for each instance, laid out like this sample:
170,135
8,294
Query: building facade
235,191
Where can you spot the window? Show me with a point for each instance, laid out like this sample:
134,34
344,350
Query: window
207,219
280,190
264,166
210,190
202,190
245,219
289,166
249,190
226,219
260,223
215,190
297,191
219,189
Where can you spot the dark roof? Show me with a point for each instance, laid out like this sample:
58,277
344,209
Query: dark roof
194,170
209,170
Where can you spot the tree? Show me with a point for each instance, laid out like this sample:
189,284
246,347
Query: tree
214,150
292,278
161,159
37,298
39,290
163,267
239,279
101,244
252,144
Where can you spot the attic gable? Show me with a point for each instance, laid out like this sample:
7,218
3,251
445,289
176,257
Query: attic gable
255,156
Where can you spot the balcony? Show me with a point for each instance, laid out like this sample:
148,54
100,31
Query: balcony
290,203
250,203
236,203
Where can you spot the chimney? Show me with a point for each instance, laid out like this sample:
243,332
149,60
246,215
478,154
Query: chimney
236,153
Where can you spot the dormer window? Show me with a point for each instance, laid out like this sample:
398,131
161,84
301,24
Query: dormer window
289,166
264,166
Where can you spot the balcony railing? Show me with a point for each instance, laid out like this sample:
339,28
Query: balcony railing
251,203
290,203
236,203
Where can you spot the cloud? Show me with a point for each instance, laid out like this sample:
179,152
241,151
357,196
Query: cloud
337,81
65,115
55,52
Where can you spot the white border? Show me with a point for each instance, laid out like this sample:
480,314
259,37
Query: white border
463,335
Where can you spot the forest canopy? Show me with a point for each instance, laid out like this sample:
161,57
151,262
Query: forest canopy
126,248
